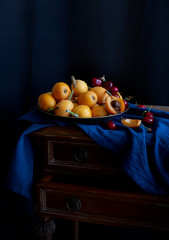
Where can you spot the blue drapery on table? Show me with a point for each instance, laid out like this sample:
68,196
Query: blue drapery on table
145,155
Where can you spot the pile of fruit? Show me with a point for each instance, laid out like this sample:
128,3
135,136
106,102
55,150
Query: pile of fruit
79,100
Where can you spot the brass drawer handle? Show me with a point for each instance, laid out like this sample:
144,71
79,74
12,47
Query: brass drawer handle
73,204
81,155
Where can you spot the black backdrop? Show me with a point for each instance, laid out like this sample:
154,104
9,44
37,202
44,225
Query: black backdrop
45,41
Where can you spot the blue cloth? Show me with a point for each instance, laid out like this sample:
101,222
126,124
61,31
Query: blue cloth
145,155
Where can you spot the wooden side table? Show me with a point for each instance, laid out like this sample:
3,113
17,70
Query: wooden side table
79,180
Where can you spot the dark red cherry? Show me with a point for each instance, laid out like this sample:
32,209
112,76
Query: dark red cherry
115,94
96,82
148,114
126,104
108,85
141,106
111,125
148,120
114,90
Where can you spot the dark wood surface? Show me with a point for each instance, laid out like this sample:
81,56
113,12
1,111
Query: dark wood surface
106,206
79,180
161,108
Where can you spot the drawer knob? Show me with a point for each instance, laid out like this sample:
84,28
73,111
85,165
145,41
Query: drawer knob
73,204
81,155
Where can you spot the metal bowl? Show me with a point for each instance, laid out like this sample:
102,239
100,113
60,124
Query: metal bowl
88,121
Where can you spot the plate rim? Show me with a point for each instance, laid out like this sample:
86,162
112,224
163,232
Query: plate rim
81,119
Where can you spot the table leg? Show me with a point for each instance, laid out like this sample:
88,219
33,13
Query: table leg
44,228
76,230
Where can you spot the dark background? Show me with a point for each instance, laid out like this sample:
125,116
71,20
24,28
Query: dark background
46,41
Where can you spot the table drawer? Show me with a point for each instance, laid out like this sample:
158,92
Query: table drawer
71,151
103,205
74,156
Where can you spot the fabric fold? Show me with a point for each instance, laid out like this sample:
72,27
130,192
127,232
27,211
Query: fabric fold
145,155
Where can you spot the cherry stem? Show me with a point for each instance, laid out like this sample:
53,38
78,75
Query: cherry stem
128,98
150,108
103,78
143,113
148,129
147,111
52,109
73,81
72,113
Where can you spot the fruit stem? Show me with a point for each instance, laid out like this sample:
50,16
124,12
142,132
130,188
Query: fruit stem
148,129
103,78
70,96
109,93
143,113
147,111
52,109
150,108
128,98
72,113
73,81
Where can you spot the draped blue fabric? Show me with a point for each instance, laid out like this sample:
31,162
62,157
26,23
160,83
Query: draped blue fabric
144,155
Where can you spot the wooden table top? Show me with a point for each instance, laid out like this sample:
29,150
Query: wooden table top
162,108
